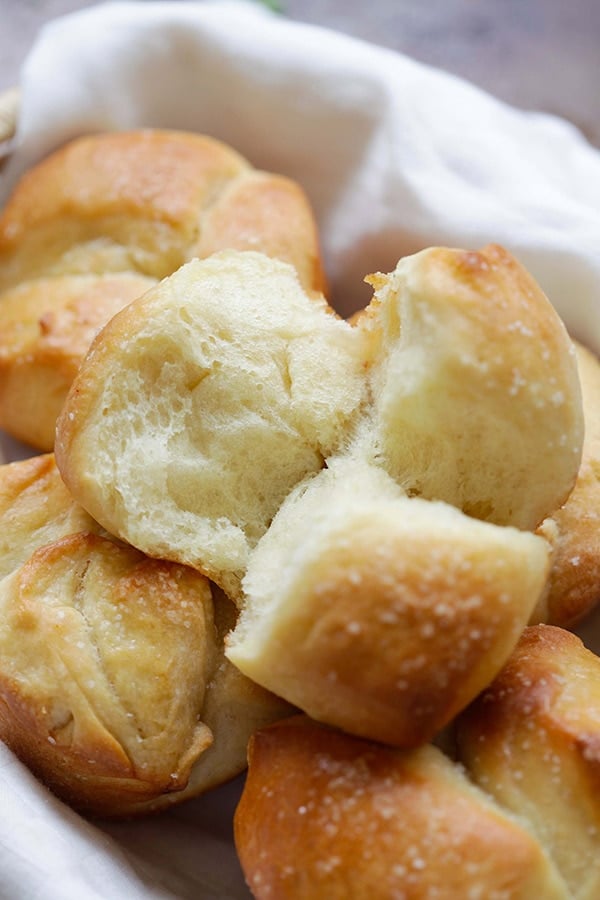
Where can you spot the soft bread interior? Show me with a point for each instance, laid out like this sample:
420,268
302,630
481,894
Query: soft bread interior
211,397
476,399
203,404
347,487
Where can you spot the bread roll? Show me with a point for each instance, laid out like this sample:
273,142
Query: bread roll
574,529
476,399
325,816
113,685
98,222
532,740
202,404
381,614
103,711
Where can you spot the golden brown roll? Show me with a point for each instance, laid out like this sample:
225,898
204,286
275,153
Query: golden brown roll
574,529
532,740
382,614
113,685
97,223
325,816
91,700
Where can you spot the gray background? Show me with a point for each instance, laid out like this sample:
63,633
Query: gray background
537,54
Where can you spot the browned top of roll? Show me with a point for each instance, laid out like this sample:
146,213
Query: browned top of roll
325,816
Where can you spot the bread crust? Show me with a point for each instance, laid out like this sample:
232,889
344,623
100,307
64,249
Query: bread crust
48,325
532,740
325,816
35,509
574,583
138,194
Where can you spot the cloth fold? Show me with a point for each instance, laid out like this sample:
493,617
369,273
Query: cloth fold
394,156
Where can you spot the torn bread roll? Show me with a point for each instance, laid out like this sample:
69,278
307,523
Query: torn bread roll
325,816
113,685
203,404
381,614
574,530
211,397
97,223
532,740
476,399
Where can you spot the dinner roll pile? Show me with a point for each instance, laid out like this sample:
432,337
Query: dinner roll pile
254,507
327,475
99,222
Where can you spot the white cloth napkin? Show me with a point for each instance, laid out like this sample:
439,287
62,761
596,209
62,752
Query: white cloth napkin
394,156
